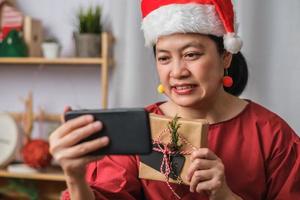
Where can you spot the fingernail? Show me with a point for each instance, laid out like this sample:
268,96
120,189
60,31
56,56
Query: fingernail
104,139
89,118
97,124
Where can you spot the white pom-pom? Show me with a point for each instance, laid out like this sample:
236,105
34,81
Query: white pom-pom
232,43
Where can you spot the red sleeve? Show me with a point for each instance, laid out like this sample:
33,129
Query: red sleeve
114,177
283,164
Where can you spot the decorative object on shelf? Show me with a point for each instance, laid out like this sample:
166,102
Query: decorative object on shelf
35,152
10,18
33,36
88,37
21,168
13,19
9,139
13,45
51,48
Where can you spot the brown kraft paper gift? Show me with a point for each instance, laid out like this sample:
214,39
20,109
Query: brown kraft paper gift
193,131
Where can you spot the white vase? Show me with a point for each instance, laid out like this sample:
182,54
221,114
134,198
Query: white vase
51,50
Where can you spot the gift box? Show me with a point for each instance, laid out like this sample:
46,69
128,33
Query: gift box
165,164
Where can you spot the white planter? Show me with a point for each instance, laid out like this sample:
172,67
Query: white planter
51,50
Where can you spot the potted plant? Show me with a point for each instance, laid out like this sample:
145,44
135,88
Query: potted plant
87,38
51,48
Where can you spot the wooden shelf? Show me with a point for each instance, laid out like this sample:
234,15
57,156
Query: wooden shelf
49,185
47,176
104,61
41,116
56,61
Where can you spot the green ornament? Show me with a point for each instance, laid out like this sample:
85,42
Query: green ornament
13,45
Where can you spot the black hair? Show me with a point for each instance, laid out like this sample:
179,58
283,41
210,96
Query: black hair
238,69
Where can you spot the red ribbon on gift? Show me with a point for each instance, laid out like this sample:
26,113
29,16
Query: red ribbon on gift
167,152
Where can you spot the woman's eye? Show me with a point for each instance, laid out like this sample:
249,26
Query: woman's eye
192,56
163,59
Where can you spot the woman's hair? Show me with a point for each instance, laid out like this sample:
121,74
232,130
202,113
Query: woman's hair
238,69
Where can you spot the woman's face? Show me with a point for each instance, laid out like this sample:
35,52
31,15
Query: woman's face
190,68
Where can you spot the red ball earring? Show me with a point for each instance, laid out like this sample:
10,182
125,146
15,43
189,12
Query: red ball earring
227,80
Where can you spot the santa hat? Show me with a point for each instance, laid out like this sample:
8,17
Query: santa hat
213,17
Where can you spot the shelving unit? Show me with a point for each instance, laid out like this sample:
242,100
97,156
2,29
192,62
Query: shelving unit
56,61
50,184
46,176
104,61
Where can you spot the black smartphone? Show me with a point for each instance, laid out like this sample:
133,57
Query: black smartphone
128,130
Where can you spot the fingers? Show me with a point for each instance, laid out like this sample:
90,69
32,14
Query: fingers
65,143
204,153
72,124
62,116
199,177
207,180
82,149
77,135
202,158
206,172
199,164
210,185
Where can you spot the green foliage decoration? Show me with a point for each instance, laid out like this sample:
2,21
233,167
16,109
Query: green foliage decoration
173,127
89,21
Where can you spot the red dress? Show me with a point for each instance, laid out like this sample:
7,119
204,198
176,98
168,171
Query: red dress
259,150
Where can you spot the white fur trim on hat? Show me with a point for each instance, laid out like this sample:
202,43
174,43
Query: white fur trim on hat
181,18
232,43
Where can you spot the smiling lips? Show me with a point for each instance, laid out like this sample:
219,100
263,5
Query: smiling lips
183,89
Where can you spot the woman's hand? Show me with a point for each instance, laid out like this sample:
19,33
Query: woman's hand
206,174
65,148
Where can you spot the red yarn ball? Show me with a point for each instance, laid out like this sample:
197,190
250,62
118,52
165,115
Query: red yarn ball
227,81
36,153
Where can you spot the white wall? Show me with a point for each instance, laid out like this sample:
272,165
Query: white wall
272,46
270,30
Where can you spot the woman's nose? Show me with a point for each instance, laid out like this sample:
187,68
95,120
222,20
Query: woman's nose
179,69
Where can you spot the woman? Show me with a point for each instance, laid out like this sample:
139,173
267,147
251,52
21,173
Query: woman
252,153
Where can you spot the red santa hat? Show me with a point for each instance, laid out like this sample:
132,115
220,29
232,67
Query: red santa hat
214,17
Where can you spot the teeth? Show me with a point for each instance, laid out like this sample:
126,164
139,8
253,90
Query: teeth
184,87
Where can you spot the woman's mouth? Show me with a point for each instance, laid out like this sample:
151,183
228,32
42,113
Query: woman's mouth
183,89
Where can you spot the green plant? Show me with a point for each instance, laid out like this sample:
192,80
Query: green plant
89,21
173,127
